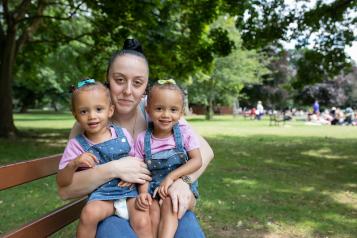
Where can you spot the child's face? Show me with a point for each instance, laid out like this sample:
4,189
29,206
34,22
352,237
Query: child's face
92,110
165,108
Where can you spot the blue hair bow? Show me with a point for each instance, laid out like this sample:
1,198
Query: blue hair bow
85,82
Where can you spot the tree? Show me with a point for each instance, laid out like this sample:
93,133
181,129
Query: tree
227,74
20,20
275,90
326,27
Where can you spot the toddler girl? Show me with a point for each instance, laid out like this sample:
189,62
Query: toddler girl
100,142
170,150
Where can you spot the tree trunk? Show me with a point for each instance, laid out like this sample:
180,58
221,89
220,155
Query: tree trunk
209,108
7,126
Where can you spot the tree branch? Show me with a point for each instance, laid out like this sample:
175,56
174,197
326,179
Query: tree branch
54,17
6,9
65,39
27,33
21,10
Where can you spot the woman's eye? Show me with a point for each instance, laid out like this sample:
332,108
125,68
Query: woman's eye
138,83
119,80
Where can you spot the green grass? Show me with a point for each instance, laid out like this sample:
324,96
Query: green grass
265,181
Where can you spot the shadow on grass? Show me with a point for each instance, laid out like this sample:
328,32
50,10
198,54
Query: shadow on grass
33,144
295,187
44,119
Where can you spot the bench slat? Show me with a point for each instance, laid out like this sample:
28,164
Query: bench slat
19,173
49,223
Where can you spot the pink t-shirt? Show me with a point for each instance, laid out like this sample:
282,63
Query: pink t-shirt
189,139
74,149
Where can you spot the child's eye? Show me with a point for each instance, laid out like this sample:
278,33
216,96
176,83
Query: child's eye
82,112
174,110
158,109
99,109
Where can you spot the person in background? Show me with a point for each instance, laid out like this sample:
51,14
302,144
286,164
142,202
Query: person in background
316,108
260,110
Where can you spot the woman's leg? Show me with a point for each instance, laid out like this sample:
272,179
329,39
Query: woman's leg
188,224
168,219
139,220
116,227
92,213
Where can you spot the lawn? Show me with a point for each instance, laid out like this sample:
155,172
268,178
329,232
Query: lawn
265,181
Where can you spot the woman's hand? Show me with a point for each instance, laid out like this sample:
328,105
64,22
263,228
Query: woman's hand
130,169
181,196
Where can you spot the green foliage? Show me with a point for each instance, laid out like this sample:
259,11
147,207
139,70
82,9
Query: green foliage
328,27
226,76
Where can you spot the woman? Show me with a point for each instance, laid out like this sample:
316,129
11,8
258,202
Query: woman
127,77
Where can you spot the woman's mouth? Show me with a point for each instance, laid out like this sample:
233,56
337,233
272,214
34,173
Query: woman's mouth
125,101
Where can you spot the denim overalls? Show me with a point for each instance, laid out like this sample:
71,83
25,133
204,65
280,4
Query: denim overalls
112,149
162,163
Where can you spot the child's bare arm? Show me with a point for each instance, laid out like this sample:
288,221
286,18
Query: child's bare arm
65,175
143,188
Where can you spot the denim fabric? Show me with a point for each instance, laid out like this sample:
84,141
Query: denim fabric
113,149
162,163
115,227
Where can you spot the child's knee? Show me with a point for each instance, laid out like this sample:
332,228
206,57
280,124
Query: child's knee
90,214
141,223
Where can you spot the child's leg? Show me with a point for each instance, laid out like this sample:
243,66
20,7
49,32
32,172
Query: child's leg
168,219
155,216
139,220
92,213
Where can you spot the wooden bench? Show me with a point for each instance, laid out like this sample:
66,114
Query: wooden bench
23,172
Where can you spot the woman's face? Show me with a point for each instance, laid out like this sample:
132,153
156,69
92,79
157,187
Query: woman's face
128,78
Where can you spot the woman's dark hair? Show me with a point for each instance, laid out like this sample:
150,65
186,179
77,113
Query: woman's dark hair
130,46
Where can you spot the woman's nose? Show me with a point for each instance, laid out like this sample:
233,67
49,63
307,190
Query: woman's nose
128,88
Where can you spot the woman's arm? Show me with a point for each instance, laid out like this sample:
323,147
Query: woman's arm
128,169
206,155
180,193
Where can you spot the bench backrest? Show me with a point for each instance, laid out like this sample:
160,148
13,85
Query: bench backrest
23,172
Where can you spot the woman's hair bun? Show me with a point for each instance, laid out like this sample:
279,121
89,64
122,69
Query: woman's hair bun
133,44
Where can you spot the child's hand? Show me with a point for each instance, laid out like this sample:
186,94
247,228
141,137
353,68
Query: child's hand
125,184
86,160
163,189
143,201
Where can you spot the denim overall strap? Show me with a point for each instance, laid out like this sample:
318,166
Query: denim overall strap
118,130
147,142
178,138
83,142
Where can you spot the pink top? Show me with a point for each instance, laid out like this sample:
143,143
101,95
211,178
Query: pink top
74,149
190,142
